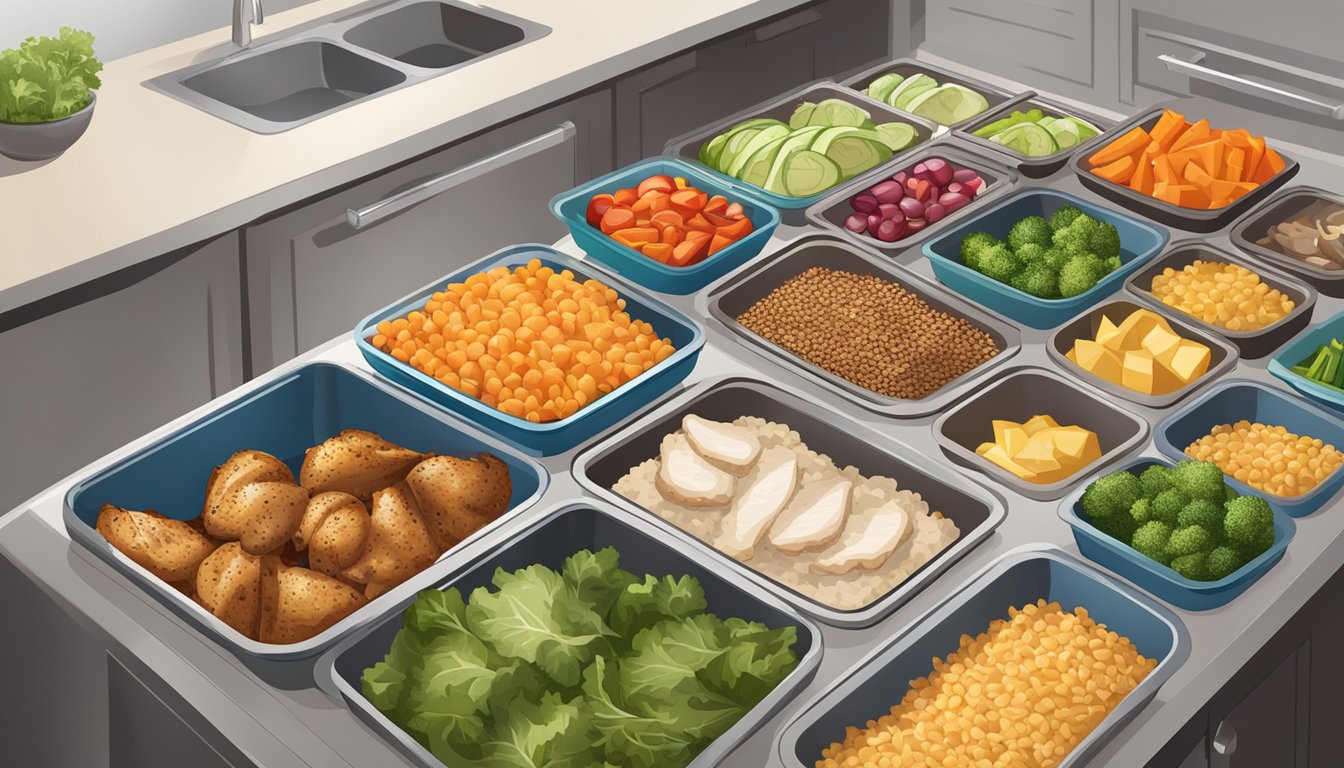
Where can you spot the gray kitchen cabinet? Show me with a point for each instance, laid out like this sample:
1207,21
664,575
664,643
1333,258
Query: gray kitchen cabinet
145,729
95,367
312,274
687,91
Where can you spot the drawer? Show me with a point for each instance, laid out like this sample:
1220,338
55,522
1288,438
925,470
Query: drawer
1020,39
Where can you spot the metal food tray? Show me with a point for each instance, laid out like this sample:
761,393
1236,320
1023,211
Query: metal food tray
1278,208
1032,167
998,98
975,510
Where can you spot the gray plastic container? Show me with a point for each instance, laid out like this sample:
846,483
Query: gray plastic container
1285,205
792,210
558,533
871,687
975,510
1192,219
1020,394
1253,344
830,213
1033,167
1222,356
738,292
997,97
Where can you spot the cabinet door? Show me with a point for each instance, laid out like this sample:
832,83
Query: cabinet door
93,368
313,276
144,731
1261,729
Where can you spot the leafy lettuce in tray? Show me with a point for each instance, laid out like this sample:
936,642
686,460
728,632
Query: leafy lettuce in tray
589,666
47,78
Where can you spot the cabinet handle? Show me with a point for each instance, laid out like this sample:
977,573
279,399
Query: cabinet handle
1195,68
1224,745
359,218
784,26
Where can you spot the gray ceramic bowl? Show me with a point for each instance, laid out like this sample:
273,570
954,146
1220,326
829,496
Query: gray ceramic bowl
43,141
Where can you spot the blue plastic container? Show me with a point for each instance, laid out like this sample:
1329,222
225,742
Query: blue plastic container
1236,399
1139,242
284,418
870,688
546,439
1303,346
1158,579
571,207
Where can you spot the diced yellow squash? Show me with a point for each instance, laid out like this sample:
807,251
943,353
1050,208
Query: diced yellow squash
1098,359
1190,361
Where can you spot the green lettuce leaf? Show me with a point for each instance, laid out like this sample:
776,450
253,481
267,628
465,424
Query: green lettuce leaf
47,78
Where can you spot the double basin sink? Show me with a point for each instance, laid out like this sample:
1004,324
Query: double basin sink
333,63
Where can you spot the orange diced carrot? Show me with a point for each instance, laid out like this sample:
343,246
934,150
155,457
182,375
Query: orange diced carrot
1118,171
658,251
1132,142
1195,134
1168,129
1142,180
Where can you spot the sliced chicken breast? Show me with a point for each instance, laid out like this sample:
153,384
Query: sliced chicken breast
727,446
866,543
814,517
764,494
684,477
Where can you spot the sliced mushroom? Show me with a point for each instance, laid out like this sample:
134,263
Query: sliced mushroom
686,478
727,446
814,517
766,492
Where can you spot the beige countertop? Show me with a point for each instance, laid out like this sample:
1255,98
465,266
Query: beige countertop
153,174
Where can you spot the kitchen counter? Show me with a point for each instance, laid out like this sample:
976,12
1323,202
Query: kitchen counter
153,174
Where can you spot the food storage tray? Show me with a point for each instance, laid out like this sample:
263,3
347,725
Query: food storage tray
545,439
997,97
571,207
1192,219
1139,241
1222,356
1299,349
687,147
1281,206
831,212
737,293
1022,576
975,510
1237,399
555,535
284,418
1124,561
1253,344
1018,395
1033,167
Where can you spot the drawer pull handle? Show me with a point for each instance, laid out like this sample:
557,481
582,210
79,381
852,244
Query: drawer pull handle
1224,745
1195,68
359,218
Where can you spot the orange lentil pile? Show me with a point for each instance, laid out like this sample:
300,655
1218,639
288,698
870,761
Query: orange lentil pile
1021,695
532,342
869,331
1268,458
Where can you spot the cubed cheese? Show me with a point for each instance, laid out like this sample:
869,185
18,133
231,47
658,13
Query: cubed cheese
1106,330
1190,361
1161,342
996,454
1078,444
1138,371
1038,455
1039,422
1097,359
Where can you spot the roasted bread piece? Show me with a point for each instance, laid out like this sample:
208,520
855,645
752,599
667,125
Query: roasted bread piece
170,549
356,462
252,499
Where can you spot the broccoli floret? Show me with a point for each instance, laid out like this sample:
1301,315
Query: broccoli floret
1204,513
1198,480
999,263
1064,217
1111,496
1103,239
1192,566
1150,540
975,244
1120,527
1223,561
1230,493
1079,274
1155,479
1141,511
1167,506
1031,230
1249,524
1111,263
1071,239
1031,253
1188,540
1038,280
1056,258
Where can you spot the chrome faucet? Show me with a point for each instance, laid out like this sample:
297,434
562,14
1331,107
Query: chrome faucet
245,14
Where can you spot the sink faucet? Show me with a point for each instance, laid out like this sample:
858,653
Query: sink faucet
245,14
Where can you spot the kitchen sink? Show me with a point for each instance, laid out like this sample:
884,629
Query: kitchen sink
330,64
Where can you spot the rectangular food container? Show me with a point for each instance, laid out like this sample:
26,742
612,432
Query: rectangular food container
1253,344
1283,206
1237,399
284,418
997,97
1298,349
1020,394
558,533
870,688
1222,356
1139,241
687,147
1033,167
1192,219
1123,560
736,294
571,207
976,511
547,438
830,213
